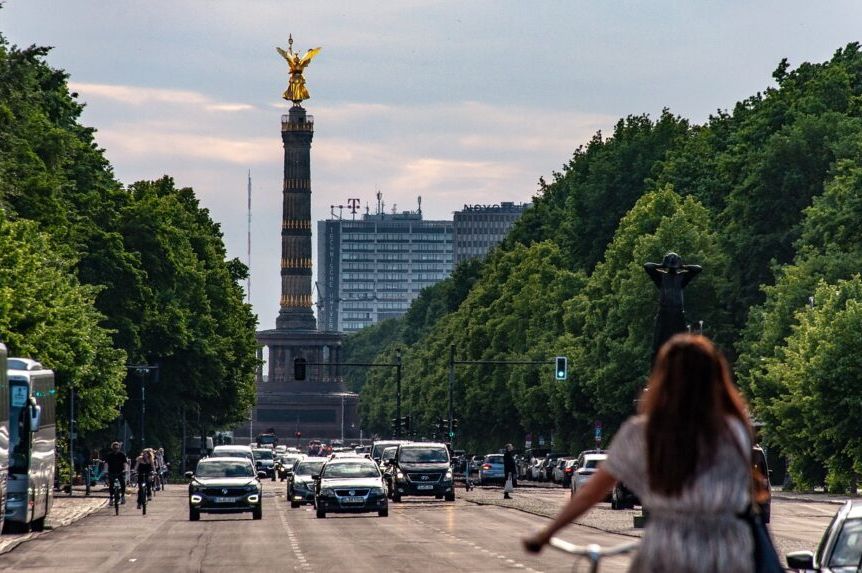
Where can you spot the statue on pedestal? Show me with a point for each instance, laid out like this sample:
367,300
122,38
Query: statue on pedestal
671,277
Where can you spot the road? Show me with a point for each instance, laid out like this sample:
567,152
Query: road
419,535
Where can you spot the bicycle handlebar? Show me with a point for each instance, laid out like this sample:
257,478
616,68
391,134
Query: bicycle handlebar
593,551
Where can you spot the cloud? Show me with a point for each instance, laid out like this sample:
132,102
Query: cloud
139,96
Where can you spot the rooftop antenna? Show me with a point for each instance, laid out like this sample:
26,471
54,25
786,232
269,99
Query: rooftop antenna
420,204
248,251
379,201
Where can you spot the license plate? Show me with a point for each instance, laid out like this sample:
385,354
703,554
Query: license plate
225,500
353,499
425,486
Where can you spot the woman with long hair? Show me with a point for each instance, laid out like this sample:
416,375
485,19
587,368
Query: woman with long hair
687,456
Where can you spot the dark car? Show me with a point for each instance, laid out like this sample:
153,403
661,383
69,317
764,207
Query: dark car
551,460
300,484
840,549
350,485
264,460
423,469
225,485
284,464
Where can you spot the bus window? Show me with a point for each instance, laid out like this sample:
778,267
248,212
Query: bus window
19,427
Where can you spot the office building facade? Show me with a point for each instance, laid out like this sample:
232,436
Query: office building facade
479,228
372,268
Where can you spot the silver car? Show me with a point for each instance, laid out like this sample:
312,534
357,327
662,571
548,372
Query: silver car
586,469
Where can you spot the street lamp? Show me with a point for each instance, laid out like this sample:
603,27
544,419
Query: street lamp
143,369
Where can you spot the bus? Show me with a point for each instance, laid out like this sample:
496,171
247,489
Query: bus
4,433
32,437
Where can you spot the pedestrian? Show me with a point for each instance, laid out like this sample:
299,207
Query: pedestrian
509,470
687,456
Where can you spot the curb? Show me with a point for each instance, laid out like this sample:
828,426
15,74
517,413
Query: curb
799,499
13,543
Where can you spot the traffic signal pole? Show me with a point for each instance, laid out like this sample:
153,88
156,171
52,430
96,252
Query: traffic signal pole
398,391
452,362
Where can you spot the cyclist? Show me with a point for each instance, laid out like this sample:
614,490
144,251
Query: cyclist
144,466
116,461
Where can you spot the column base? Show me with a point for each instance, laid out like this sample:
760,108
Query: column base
296,319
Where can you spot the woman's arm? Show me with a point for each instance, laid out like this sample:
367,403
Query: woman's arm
594,491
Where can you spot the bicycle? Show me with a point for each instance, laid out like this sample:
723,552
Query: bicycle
593,552
115,495
142,497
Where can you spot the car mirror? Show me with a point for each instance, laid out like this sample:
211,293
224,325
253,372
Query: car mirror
315,477
189,475
800,560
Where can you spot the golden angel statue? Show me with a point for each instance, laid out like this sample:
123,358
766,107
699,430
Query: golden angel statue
296,91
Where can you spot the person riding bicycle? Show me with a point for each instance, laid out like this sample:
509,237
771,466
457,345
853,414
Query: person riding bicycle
116,461
161,469
144,466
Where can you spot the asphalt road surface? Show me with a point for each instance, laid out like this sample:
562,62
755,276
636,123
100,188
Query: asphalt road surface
419,535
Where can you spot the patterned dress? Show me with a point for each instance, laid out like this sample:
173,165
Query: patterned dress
697,531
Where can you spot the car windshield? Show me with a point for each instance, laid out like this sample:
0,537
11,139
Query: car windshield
592,463
494,459
233,454
262,454
389,453
308,468
377,449
429,455
357,469
848,548
223,468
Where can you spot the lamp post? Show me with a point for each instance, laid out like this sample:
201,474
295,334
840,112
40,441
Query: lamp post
143,369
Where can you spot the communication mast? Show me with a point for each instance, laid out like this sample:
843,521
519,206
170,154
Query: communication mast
248,251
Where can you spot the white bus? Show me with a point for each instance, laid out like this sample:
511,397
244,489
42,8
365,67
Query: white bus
32,439
4,434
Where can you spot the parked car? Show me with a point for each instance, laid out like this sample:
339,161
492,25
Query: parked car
587,465
548,465
300,485
840,548
350,485
622,497
491,469
568,472
422,469
536,469
558,474
225,485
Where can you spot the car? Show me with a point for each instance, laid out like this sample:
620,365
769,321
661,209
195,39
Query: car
459,461
284,464
422,468
225,485
492,470
350,485
840,548
536,470
559,471
378,447
300,484
264,460
548,465
568,472
587,465
622,497
233,451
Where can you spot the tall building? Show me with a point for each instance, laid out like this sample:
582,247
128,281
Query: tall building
479,228
319,406
372,268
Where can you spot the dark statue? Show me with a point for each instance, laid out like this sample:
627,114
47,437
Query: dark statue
671,277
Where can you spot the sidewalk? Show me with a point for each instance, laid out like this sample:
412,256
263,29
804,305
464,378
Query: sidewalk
66,509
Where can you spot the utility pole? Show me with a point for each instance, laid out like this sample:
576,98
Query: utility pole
451,390
143,370
398,391
71,440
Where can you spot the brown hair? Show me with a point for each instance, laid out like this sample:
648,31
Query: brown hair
688,400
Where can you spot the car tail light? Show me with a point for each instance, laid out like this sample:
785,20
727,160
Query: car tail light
486,466
568,470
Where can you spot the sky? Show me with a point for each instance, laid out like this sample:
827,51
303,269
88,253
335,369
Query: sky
466,102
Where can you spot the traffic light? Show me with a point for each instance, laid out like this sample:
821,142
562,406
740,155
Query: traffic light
299,368
562,367
405,422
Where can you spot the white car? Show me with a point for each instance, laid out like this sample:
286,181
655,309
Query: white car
587,466
537,472
560,470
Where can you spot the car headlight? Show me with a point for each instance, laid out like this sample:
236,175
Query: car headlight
327,491
377,490
448,476
399,475
195,498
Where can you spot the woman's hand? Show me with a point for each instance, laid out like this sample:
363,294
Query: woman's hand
535,542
